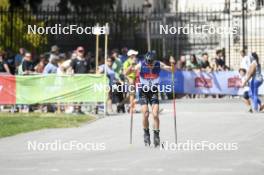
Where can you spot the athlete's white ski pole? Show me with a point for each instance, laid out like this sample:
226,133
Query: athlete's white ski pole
131,121
174,102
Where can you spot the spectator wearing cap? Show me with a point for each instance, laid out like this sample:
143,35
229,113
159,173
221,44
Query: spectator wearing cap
129,64
54,51
3,65
80,64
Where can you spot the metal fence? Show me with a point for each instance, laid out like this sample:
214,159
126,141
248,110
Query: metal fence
128,28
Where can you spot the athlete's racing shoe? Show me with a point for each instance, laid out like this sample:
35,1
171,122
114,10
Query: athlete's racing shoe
156,138
146,137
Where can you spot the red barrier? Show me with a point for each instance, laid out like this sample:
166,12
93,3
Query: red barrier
7,89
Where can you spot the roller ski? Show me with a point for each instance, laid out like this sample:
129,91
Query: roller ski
156,138
147,137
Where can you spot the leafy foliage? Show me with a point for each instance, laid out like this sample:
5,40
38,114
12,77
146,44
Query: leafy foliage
13,29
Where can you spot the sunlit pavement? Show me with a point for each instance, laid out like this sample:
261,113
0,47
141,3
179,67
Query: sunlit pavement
212,121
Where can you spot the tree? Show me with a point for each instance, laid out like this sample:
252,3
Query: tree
86,5
33,4
13,29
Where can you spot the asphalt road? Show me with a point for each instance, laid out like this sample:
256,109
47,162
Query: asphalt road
212,121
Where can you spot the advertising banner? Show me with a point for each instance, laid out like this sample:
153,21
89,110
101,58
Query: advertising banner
52,88
190,82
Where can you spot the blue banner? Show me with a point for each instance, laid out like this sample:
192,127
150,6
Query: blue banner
190,82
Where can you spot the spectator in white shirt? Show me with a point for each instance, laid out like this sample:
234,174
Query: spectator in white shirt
245,62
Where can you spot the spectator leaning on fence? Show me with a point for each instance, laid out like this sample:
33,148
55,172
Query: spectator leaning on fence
204,63
181,63
3,65
27,66
60,64
10,60
19,57
39,68
192,63
219,61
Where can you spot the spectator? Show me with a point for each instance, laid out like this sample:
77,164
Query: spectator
245,62
123,56
65,66
219,61
80,64
101,56
254,74
19,57
112,80
204,64
117,65
51,67
192,64
55,51
10,61
3,65
61,63
27,66
181,63
130,73
246,96
172,60
39,68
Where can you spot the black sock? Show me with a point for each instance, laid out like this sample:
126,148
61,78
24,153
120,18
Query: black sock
156,131
146,130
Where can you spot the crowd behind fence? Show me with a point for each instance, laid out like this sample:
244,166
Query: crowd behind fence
81,61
